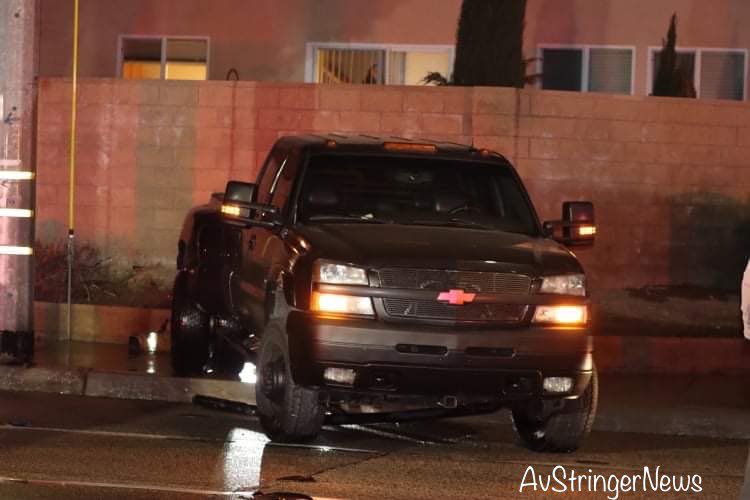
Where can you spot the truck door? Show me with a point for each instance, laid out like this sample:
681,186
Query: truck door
247,284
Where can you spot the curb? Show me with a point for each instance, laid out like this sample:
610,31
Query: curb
68,381
86,382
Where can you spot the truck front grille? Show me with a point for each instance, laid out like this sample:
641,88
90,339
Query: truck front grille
432,309
442,280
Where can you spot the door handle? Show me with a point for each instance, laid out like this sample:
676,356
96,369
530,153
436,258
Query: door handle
251,243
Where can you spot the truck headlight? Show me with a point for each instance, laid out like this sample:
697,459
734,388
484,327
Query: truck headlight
561,315
339,274
566,284
342,304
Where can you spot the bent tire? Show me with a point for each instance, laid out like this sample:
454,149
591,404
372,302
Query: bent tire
564,430
287,411
189,329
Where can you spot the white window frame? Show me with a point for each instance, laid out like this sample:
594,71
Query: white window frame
653,49
585,61
163,39
312,47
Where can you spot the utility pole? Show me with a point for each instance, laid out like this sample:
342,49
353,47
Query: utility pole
18,91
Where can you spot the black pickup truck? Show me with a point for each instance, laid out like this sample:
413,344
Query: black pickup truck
367,270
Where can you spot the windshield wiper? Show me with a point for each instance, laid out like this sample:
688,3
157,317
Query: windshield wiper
454,222
349,218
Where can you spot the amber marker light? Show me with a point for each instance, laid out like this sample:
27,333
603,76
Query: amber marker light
587,230
232,210
561,315
407,146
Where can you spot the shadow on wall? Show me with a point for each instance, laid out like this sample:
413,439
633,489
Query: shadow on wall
710,241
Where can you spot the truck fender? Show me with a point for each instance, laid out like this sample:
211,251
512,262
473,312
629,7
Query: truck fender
280,295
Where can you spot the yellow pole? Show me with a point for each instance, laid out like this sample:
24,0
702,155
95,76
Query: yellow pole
72,168
74,99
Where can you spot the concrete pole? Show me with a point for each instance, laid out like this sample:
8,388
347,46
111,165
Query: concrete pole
18,88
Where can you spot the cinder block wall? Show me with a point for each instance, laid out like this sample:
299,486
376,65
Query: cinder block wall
670,177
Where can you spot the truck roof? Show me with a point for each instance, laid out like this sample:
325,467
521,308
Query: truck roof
362,143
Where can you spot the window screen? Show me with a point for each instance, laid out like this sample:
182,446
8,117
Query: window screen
723,75
562,69
610,70
349,65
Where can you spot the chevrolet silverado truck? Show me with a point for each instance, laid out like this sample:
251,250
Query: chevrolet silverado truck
363,270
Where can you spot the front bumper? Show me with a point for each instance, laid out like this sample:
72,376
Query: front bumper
408,359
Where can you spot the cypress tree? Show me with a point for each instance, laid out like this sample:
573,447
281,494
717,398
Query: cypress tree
672,80
489,43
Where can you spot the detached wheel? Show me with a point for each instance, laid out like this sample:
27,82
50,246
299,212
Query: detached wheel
563,431
287,411
190,333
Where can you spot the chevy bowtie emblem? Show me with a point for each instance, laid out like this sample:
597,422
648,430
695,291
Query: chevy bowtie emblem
456,297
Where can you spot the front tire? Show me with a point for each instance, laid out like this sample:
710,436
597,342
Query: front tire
287,411
564,430
190,333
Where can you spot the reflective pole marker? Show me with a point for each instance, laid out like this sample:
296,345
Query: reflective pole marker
22,213
13,250
16,175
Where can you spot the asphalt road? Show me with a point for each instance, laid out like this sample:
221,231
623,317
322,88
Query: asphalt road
61,447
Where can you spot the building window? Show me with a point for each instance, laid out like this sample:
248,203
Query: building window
587,69
376,63
168,58
716,73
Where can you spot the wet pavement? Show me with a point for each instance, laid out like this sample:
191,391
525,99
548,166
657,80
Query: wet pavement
67,447
101,356
699,405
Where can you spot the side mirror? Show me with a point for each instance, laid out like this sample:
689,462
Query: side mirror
577,227
239,208
242,192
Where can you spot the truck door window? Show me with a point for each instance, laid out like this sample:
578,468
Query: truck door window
284,181
268,175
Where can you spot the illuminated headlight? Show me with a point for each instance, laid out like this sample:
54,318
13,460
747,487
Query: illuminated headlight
340,274
558,384
561,315
567,284
341,376
342,304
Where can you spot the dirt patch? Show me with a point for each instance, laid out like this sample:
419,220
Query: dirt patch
97,279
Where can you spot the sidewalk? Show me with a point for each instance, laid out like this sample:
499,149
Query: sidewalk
107,370
697,405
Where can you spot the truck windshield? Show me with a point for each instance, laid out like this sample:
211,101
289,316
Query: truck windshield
418,191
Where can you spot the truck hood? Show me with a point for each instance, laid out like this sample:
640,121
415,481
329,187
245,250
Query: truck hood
394,245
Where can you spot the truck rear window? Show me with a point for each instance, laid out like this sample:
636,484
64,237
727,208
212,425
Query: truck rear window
413,190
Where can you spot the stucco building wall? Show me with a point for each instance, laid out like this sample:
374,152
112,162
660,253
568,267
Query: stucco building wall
266,39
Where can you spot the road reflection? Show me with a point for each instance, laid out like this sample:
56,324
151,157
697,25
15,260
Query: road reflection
243,456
